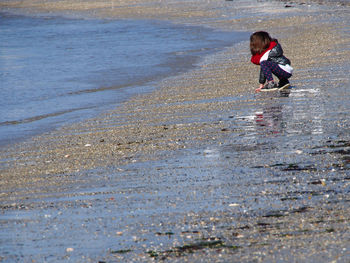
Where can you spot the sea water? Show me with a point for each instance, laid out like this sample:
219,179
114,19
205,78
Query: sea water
56,70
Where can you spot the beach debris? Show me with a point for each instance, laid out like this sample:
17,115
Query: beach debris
320,181
169,233
215,243
233,205
69,249
120,251
87,145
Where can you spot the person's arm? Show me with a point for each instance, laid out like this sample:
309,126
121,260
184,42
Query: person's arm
260,87
262,78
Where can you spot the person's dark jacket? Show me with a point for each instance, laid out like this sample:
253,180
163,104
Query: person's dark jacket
275,55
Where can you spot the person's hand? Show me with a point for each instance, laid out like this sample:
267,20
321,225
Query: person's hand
260,87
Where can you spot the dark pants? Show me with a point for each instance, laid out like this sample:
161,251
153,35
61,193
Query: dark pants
269,67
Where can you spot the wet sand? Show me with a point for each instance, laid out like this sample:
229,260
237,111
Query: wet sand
202,169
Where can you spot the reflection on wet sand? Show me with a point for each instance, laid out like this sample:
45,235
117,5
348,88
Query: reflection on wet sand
186,173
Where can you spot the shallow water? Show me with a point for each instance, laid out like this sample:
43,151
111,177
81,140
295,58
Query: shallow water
56,70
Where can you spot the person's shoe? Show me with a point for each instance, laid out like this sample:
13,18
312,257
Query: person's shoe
270,86
283,84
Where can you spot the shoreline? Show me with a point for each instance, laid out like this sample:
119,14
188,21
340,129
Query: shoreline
162,90
173,60
183,115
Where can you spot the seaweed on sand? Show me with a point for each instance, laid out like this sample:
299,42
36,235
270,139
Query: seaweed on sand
191,248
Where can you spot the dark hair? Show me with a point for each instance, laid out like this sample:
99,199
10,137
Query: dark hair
259,42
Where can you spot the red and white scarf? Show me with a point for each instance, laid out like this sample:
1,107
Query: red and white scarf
257,57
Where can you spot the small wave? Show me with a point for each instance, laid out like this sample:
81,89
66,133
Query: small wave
40,117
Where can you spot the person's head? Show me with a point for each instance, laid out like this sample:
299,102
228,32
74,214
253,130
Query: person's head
259,42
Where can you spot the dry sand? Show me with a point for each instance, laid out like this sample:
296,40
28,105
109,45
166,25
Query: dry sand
177,117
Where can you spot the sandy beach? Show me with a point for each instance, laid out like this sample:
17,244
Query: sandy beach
202,169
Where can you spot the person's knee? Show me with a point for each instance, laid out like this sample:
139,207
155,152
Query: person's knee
263,63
